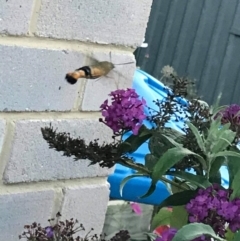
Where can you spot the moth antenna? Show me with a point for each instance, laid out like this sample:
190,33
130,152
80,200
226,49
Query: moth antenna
110,55
126,63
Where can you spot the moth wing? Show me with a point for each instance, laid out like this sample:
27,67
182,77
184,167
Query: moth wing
90,60
122,79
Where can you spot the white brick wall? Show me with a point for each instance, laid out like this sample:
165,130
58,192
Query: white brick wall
15,16
38,163
40,41
106,21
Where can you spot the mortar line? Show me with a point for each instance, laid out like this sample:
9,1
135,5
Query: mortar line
49,115
58,201
62,44
33,20
51,184
6,147
78,101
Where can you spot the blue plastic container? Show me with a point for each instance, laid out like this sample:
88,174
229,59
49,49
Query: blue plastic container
150,89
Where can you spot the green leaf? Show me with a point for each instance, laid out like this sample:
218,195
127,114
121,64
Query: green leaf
230,235
235,185
218,139
215,174
150,191
197,136
217,178
150,161
216,110
236,237
172,133
194,230
182,184
228,153
150,236
176,222
224,140
135,141
143,131
215,167
233,167
124,147
126,179
169,159
197,180
158,145
161,218
164,139
178,199
214,128
172,141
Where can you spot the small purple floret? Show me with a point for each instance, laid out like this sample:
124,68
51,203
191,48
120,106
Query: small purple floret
167,235
126,111
213,206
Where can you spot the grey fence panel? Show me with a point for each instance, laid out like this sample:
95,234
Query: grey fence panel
199,38
146,58
203,38
166,48
235,30
229,72
187,35
217,50
229,75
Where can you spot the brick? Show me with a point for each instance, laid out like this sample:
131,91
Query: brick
31,160
15,16
2,132
88,204
37,79
21,208
96,91
121,22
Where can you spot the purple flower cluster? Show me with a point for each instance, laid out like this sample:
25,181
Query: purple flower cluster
126,111
167,235
49,232
213,206
231,114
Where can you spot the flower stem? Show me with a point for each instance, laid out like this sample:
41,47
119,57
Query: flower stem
142,169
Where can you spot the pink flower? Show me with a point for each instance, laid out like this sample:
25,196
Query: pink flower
136,208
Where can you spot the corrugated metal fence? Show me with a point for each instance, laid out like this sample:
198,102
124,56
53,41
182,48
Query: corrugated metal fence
200,39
